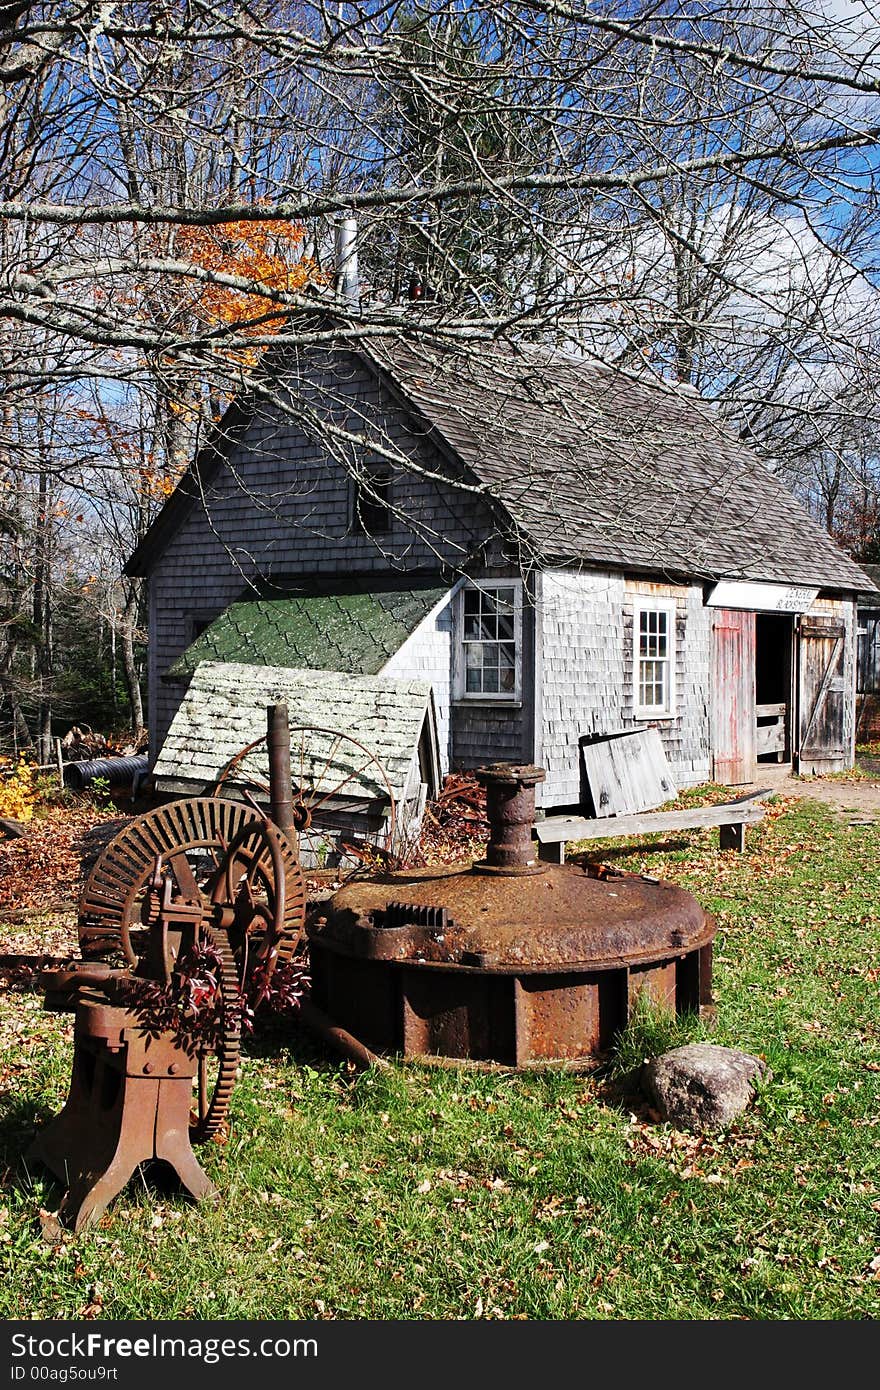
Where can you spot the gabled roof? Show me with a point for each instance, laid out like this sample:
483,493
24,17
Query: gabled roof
592,465
224,709
355,629
597,465
191,488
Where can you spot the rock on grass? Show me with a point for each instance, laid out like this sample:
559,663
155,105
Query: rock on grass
701,1086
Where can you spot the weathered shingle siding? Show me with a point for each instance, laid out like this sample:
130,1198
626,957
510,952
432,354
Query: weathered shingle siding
586,627
470,732
426,655
281,508
582,662
494,731
488,734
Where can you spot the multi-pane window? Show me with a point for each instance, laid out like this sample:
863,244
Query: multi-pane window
371,501
490,626
653,640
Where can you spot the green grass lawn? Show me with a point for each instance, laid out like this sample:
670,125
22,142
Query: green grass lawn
418,1193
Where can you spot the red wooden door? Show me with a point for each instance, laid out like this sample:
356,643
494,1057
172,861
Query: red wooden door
822,696
733,697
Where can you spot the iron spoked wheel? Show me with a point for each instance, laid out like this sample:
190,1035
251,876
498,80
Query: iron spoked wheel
328,769
222,857
259,887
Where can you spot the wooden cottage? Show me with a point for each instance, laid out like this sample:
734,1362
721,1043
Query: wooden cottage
561,550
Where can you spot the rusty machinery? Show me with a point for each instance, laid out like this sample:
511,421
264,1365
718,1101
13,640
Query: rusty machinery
510,961
204,879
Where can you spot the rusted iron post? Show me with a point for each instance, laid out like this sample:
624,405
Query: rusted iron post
510,810
280,781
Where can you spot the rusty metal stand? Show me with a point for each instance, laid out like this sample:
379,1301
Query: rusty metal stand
129,1102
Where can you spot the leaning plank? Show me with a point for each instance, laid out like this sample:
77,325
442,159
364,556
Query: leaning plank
627,773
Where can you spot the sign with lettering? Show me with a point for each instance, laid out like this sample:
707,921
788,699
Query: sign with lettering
761,598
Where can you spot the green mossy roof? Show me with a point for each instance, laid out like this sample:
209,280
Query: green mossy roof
355,631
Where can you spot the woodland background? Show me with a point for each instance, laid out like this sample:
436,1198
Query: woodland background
689,189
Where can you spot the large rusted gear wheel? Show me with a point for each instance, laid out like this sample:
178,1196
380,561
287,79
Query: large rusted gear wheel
202,873
219,1063
227,866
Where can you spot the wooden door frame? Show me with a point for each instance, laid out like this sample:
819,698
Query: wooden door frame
793,715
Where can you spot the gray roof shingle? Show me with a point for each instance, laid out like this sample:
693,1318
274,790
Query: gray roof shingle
870,596
225,708
600,466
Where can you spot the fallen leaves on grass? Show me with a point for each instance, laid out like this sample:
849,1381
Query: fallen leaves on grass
45,867
95,1306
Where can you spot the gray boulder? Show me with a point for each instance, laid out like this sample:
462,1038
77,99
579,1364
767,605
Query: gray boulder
702,1086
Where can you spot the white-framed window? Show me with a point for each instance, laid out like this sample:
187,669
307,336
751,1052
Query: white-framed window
654,658
488,649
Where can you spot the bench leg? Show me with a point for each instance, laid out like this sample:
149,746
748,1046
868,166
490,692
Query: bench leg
732,836
553,853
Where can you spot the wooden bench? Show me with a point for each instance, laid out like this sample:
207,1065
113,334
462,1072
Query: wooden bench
732,818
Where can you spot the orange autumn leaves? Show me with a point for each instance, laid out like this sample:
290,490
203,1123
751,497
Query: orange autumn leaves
267,253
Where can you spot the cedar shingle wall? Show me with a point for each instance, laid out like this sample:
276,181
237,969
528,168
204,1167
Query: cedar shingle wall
587,658
281,508
488,734
470,733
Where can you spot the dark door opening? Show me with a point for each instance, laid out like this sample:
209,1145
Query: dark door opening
774,640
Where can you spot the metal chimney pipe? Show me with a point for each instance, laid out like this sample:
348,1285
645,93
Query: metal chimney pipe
347,281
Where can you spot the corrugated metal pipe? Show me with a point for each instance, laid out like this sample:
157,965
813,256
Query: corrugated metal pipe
116,772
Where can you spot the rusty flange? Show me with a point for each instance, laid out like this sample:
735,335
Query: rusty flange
563,920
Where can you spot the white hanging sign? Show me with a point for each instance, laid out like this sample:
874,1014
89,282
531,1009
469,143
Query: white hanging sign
761,598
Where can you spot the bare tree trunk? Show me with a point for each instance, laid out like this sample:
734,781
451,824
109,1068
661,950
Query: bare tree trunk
129,665
42,616
20,731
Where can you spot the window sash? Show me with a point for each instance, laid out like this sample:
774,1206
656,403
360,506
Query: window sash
654,659
490,643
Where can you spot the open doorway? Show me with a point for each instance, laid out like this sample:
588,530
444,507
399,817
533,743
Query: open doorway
774,644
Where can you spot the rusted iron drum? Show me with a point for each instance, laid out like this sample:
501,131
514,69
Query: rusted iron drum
520,969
